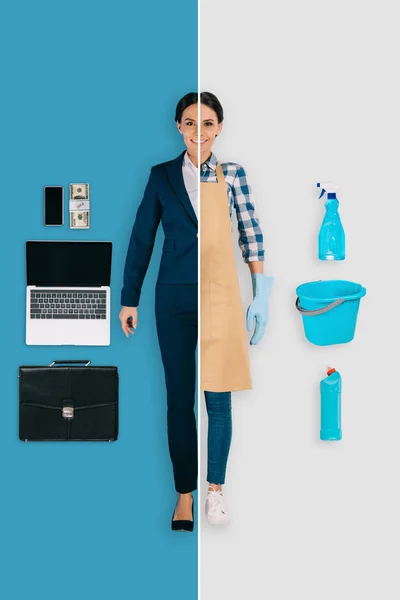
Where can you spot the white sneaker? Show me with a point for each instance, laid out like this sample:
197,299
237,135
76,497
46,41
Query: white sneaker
215,508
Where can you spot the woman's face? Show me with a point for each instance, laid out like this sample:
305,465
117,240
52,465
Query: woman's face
203,139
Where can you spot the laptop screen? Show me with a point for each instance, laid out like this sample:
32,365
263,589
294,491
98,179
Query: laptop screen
68,263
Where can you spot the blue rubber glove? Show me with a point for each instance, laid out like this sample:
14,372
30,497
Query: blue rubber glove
258,309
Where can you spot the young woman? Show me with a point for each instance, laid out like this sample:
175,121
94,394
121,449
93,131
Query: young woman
224,364
171,196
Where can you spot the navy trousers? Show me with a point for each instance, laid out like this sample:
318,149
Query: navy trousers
177,322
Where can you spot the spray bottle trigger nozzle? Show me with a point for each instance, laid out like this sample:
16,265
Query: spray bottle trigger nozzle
322,190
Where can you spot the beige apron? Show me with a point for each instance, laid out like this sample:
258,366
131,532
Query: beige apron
224,357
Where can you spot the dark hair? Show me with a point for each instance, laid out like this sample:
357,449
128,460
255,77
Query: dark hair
206,98
187,100
212,102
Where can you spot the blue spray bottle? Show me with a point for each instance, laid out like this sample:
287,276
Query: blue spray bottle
331,406
331,239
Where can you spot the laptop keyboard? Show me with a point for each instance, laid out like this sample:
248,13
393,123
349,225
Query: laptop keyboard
68,305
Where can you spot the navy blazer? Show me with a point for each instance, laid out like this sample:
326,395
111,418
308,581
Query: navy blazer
165,199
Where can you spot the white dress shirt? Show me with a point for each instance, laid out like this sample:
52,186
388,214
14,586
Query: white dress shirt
191,179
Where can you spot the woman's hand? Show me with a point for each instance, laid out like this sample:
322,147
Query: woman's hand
128,317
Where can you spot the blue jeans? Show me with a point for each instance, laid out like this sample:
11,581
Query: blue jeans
219,434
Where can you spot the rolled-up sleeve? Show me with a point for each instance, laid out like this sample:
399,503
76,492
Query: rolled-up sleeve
251,240
141,245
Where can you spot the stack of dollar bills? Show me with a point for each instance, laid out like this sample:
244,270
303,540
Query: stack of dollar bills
79,206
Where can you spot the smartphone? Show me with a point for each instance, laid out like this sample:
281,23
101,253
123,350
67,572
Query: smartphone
54,205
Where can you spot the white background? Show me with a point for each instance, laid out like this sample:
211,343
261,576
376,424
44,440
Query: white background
311,92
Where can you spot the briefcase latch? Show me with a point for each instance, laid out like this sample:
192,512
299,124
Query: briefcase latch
68,410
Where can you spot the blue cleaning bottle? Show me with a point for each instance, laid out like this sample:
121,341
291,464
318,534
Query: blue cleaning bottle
331,406
331,239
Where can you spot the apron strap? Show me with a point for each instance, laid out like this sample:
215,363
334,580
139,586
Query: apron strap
220,175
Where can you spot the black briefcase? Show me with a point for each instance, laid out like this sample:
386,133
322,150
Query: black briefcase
60,402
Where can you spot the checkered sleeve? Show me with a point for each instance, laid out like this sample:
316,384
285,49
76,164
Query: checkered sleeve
250,234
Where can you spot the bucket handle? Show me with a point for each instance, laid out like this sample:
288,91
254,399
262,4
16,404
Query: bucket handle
319,311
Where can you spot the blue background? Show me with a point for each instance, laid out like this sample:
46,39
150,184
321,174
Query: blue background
89,94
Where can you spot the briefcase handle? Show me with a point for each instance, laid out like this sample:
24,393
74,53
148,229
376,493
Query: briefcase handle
71,362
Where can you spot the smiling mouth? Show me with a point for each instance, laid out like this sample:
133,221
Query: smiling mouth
198,141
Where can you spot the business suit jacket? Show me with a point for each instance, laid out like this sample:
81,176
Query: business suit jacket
165,199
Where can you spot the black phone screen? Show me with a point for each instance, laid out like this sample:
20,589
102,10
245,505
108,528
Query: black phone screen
53,205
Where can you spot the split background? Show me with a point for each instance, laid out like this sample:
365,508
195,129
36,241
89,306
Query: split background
310,92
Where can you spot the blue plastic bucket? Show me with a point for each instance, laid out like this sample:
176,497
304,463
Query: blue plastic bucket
329,310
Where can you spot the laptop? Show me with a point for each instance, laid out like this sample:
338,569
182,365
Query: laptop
68,293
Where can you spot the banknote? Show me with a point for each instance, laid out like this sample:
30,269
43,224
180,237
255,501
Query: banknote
79,191
79,220
79,205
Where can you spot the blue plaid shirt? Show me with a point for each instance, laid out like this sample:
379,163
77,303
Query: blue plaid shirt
241,198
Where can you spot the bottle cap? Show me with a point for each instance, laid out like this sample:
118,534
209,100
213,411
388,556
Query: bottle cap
330,371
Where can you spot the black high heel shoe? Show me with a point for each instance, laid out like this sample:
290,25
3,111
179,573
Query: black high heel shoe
182,524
